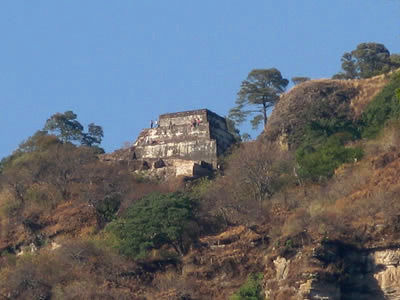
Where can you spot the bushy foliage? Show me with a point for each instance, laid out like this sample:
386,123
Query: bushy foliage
367,60
299,79
323,145
44,174
76,270
322,148
320,161
325,107
230,124
383,107
69,129
33,175
153,221
251,174
108,208
258,170
251,289
260,91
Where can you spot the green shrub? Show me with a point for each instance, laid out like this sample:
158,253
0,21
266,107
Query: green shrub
383,107
154,221
323,145
320,161
251,289
109,206
322,140
200,188
329,112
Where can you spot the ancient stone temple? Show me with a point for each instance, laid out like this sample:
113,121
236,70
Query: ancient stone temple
182,144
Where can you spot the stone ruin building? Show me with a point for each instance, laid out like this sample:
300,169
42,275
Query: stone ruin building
183,144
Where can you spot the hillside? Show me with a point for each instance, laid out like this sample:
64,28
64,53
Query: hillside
315,98
308,211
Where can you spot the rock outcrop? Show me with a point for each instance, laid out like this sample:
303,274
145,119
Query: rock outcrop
318,98
334,271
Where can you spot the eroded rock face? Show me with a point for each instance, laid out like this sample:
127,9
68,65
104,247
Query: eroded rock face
336,271
387,272
281,267
316,289
223,262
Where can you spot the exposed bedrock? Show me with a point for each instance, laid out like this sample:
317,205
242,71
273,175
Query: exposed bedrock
336,271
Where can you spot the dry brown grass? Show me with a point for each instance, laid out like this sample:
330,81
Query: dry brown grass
172,283
253,173
388,140
368,89
359,198
78,269
295,108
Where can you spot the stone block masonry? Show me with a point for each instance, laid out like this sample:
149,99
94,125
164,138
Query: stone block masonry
187,141
184,144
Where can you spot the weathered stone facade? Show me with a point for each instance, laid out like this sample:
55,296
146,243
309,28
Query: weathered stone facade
184,143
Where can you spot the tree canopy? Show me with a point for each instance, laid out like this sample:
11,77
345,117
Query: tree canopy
367,60
299,79
153,221
68,129
251,289
65,126
259,92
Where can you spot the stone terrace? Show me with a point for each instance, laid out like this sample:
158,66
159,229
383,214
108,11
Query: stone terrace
185,143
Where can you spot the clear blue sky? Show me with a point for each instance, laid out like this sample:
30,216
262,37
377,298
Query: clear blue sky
121,63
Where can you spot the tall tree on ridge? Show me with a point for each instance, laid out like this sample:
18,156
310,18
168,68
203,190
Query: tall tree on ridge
66,126
68,129
367,60
260,90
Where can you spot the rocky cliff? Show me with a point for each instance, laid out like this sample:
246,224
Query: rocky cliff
359,274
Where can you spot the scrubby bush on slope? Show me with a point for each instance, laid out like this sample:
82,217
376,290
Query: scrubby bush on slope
251,174
76,270
49,187
323,145
153,221
320,161
251,289
385,106
49,172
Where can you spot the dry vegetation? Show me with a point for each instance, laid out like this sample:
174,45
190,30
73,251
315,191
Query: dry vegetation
77,269
295,108
356,205
56,199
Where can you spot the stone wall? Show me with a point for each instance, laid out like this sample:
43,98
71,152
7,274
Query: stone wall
198,135
184,144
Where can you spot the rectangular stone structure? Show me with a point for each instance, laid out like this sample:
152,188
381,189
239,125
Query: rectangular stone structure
196,135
